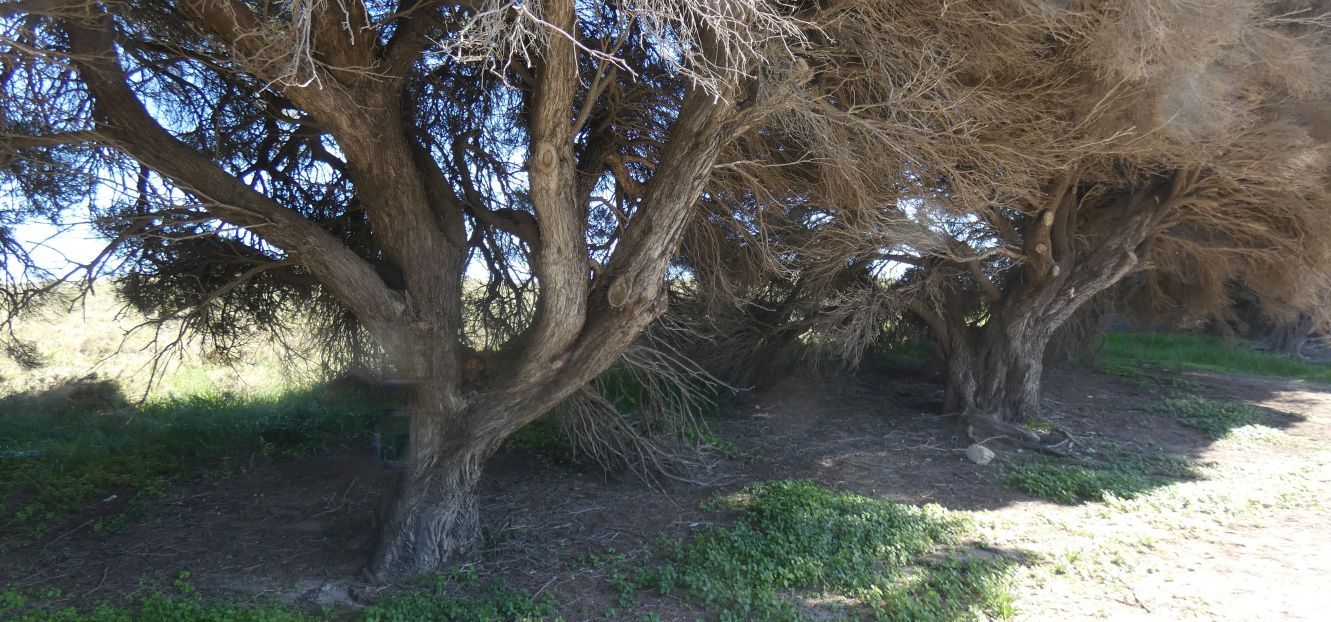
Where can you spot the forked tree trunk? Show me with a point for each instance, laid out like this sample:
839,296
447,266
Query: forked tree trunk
464,403
432,517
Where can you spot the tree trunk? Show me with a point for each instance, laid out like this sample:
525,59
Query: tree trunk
433,517
993,371
993,368
1289,338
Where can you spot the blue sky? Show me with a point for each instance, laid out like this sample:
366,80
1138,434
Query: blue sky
58,248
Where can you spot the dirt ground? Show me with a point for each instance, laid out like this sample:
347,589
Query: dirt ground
1245,542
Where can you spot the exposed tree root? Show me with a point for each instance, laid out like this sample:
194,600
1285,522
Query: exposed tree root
982,429
979,426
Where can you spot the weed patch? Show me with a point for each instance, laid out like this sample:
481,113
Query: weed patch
1111,472
793,540
181,603
1215,419
492,602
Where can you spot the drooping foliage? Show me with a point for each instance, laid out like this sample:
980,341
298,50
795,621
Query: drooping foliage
1086,142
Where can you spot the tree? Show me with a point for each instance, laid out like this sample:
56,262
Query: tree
1184,159
360,158
1100,140
914,100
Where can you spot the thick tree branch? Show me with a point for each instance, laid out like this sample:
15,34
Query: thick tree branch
932,318
341,38
414,19
973,263
561,265
128,124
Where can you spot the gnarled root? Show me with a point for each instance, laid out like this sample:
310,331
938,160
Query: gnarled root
982,429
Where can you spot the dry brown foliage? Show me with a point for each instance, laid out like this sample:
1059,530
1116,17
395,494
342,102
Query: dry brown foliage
998,164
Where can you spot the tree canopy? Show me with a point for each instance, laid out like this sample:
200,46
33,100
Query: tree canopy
1089,143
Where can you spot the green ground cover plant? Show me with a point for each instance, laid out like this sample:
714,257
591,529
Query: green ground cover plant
1110,471
793,541
1214,418
435,600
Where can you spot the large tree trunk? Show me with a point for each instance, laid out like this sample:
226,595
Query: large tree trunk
1289,338
993,371
434,517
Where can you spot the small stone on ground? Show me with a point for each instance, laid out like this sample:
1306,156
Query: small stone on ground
979,454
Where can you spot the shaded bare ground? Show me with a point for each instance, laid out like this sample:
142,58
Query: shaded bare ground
1245,542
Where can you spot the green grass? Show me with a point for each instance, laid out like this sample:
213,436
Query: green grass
159,607
64,448
58,457
1213,418
434,601
1113,471
1125,351
794,540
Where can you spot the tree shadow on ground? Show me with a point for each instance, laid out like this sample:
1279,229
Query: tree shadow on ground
881,431
65,447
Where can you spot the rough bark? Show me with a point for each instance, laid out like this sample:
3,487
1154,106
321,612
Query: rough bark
1290,338
434,516
994,372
